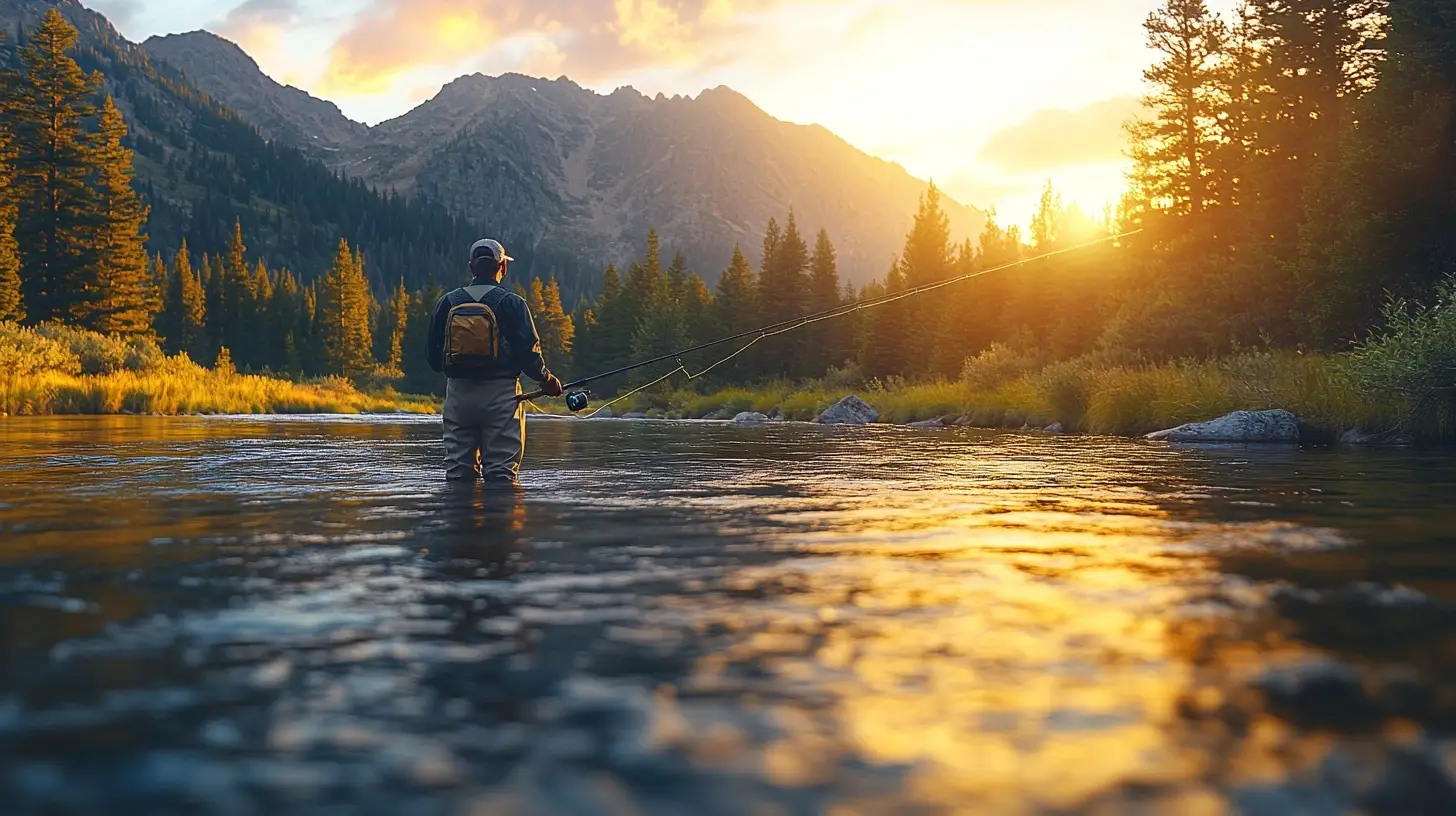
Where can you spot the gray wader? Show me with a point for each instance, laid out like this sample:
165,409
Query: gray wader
485,429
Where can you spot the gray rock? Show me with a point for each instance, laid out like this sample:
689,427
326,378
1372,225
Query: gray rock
602,413
927,424
750,418
1056,428
635,415
777,416
1361,437
721,413
1240,426
849,411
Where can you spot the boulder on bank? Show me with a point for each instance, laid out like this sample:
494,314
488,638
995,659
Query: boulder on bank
1056,428
1362,438
849,411
605,412
721,413
1239,426
750,418
927,424
777,416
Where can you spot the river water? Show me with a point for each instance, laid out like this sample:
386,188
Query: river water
239,615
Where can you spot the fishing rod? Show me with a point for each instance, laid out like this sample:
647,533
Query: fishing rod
577,401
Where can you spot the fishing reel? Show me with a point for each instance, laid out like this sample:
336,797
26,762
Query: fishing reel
576,401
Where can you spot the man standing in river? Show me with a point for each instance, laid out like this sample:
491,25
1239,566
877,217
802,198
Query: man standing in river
483,339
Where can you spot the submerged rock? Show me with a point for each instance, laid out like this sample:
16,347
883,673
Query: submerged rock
1359,436
750,418
849,411
1056,428
1239,426
927,424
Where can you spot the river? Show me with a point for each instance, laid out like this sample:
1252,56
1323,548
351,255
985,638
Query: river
257,615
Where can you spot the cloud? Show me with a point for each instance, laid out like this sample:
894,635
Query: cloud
257,24
586,39
1049,139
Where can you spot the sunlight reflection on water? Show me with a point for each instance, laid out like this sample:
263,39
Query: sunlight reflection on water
681,617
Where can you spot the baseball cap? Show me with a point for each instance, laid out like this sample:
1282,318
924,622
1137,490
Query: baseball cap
488,249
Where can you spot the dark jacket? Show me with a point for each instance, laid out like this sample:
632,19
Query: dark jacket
518,335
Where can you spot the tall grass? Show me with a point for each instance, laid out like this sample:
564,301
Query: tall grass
1103,394
61,370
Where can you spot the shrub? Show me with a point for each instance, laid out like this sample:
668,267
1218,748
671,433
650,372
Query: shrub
1066,389
101,354
1413,362
25,352
997,365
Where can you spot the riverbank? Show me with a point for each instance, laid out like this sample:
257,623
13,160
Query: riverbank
67,371
1098,395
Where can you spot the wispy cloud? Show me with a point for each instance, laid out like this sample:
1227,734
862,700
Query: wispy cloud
1050,139
257,24
588,39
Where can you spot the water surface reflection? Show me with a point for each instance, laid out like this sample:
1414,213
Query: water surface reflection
236,615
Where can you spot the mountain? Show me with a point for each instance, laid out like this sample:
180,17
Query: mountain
201,166
280,112
556,167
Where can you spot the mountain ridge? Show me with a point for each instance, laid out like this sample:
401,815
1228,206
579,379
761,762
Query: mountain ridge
555,164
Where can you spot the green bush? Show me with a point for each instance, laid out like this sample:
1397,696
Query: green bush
1412,362
997,365
101,354
1066,388
25,351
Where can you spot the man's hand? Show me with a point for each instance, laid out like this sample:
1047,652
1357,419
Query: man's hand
552,387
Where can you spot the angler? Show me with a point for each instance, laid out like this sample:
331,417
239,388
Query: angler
483,339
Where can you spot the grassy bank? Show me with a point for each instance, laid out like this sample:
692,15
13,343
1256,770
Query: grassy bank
1001,388
58,370
1402,379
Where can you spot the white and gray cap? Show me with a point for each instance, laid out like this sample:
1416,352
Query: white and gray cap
488,249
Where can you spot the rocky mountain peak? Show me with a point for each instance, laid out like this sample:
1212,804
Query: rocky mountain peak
283,113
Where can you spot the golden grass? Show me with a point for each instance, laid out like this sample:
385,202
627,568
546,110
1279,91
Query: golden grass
1089,395
181,387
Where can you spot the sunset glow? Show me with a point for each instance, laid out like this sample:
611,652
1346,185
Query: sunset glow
947,88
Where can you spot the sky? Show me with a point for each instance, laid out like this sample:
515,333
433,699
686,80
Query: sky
989,98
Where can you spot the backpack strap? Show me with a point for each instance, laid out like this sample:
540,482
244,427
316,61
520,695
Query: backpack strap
490,295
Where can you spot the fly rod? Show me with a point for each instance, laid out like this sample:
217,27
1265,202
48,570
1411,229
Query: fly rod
577,400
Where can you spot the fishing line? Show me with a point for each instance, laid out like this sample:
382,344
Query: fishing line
577,401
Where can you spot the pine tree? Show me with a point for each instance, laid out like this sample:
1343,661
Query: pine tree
12,302
828,342
394,323
1188,88
127,299
558,330
189,320
53,162
735,310
283,321
343,316
925,259
886,349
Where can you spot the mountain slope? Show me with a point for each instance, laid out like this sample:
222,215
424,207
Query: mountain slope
280,112
201,167
558,166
